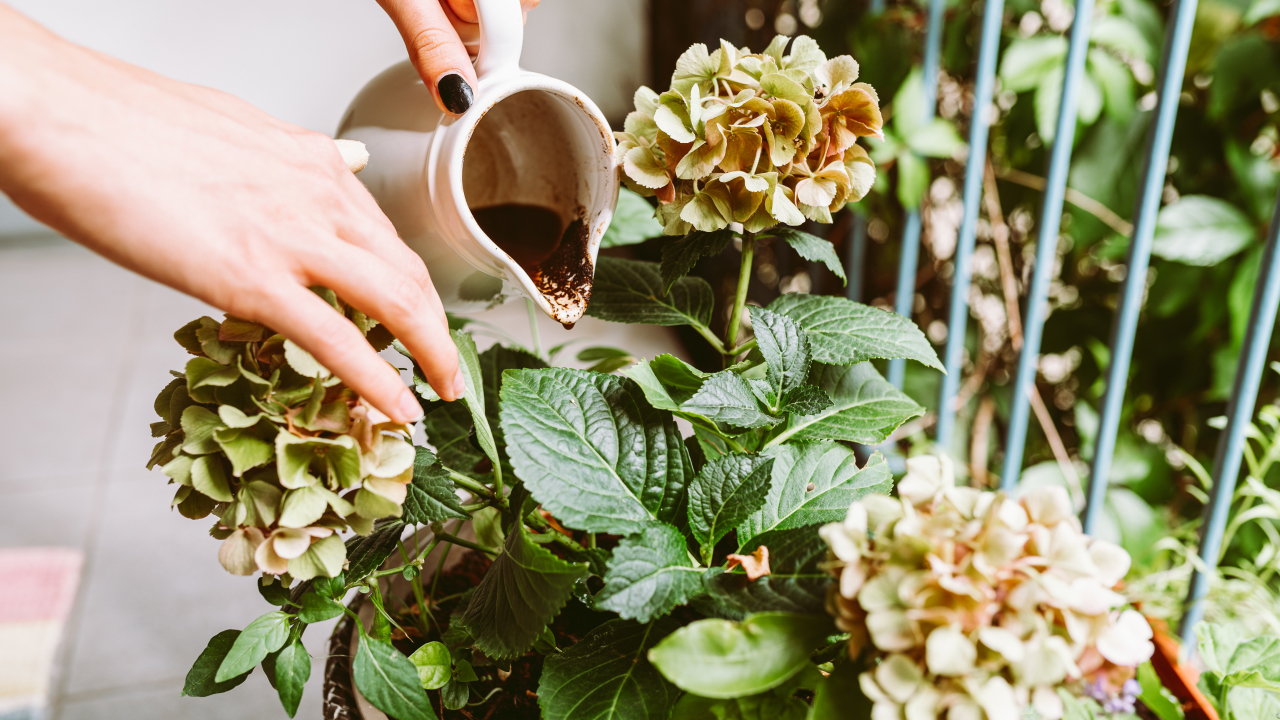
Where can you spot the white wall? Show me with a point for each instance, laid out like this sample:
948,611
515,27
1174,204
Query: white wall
303,60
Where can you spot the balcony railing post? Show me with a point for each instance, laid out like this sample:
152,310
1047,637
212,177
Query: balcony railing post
1046,245
1244,393
1159,140
906,293
979,125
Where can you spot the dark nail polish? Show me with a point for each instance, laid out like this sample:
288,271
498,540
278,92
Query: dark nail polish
455,92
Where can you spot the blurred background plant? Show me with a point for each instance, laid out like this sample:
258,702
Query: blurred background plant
1217,202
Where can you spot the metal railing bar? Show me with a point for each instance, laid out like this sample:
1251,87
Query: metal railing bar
957,323
1125,326
1046,245
911,229
1244,394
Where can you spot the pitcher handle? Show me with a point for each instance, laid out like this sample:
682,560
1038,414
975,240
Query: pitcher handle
497,41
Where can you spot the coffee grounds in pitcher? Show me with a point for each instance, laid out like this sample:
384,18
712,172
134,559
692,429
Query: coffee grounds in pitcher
557,262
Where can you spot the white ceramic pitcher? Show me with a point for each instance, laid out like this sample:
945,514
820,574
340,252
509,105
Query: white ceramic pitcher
528,139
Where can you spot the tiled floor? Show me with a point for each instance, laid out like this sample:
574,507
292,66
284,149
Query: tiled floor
84,347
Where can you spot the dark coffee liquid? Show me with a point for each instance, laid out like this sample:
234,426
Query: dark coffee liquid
554,256
528,233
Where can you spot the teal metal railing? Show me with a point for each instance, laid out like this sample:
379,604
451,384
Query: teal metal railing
1266,299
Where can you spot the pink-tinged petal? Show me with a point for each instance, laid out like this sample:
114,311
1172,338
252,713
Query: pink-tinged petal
236,552
1111,560
268,561
1128,641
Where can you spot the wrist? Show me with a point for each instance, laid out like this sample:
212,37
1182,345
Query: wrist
25,51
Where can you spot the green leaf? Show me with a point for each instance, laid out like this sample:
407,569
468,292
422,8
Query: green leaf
843,332
200,680
806,400
198,426
727,491
1028,60
633,222
448,429
777,704
865,408
649,575
592,450
1201,230
203,372
435,665
629,291
839,696
366,554
680,255
317,608
1116,83
1255,664
493,362
465,673
389,681
798,581
264,635
469,362
938,139
1155,697
727,398
1119,34
724,659
431,497
1260,10
1217,644
832,471
811,248
455,694
667,381
908,105
785,348
292,670
607,676
522,592
913,179
243,449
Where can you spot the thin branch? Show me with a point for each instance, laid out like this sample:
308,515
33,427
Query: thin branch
1073,196
1055,442
1000,236
982,421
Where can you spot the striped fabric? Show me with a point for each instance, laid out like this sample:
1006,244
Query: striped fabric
37,590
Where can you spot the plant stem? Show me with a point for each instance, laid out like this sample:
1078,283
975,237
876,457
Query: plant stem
534,337
467,483
744,347
744,279
468,544
418,593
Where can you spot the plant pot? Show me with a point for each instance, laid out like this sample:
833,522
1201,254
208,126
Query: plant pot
1177,677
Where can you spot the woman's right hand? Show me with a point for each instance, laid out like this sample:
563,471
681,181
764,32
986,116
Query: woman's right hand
207,194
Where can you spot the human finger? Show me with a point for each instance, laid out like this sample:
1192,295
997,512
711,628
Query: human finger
436,51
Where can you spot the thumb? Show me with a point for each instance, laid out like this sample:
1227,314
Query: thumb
436,51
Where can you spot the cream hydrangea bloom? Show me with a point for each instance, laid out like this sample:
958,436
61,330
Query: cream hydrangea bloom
977,606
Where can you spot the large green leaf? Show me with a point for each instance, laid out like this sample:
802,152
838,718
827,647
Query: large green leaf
431,497
607,676
633,222
389,681
592,450
938,139
843,332
292,669
680,255
811,248
522,592
865,408
629,291
666,381
726,397
1201,230
726,492
785,348
797,581
1028,60
814,482
725,659
649,575
260,638
200,680
839,696
469,362
493,362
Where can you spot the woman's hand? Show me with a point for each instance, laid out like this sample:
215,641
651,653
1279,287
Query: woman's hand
203,192
435,47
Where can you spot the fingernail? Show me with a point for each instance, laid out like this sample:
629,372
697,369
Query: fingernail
459,384
410,410
455,93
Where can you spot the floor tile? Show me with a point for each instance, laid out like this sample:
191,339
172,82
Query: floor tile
49,511
162,701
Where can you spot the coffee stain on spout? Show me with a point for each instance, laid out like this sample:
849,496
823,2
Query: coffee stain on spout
565,277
